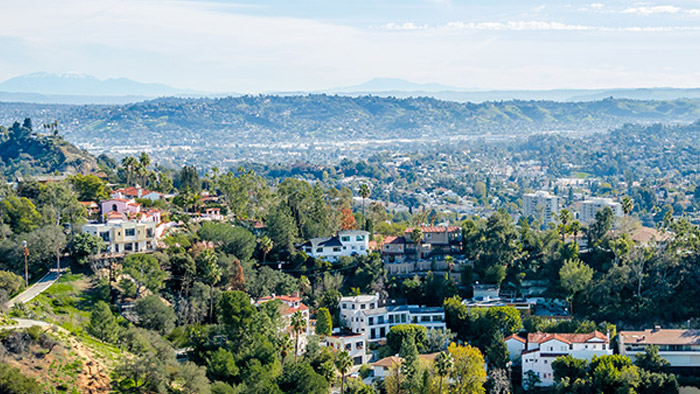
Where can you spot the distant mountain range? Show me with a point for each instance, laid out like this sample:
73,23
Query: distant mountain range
75,88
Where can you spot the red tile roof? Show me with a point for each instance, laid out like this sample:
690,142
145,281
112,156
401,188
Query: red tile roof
517,338
541,337
435,229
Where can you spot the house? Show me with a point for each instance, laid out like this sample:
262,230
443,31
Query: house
515,345
124,236
212,213
290,305
136,192
681,348
345,243
93,210
394,249
128,209
589,208
372,317
437,240
382,368
542,205
350,342
488,296
542,349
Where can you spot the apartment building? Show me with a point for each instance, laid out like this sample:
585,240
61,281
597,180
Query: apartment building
681,348
350,342
590,207
373,318
542,205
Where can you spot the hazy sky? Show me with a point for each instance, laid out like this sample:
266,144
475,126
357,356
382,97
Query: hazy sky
257,45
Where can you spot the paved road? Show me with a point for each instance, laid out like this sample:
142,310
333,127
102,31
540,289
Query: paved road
34,290
25,323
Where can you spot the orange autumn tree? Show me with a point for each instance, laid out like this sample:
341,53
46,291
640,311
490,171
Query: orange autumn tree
348,220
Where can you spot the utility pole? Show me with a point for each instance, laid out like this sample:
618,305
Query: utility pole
26,264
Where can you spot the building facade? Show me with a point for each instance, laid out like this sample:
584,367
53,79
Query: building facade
352,343
290,304
369,316
345,243
590,207
125,236
541,204
681,348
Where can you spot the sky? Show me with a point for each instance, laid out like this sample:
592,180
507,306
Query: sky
289,45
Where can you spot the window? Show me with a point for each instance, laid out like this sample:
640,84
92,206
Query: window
360,238
130,232
363,306
336,249
105,236
425,318
403,318
371,306
348,347
345,306
391,318
345,238
353,306
129,247
380,320
149,233
371,321
319,250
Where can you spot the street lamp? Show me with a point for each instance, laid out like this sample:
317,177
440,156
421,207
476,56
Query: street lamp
26,263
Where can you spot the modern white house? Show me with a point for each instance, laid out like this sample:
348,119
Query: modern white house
352,343
590,207
125,236
681,348
373,318
488,296
345,243
541,349
541,204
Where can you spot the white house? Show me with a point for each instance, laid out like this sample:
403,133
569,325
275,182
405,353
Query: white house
590,207
681,348
352,343
373,318
346,243
125,236
136,192
541,204
515,345
543,348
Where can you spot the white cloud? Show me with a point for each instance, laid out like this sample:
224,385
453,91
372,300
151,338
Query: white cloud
659,9
405,26
597,6
694,11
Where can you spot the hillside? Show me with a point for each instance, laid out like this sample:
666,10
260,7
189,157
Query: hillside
25,152
322,127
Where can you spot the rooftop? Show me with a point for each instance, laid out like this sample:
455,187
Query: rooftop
541,337
659,336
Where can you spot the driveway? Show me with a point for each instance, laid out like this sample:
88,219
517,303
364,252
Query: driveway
34,290
25,323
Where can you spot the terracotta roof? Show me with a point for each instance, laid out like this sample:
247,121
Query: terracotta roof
435,229
393,240
662,337
541,337
116,199
285,298
517,338
88,203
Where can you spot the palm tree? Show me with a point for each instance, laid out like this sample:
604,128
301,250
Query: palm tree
417,237
444,362
627,205
298,325
144,162
364,193
212,275
575,229
564,217
129,163
450,263
285,345
343,363
304,285
266,245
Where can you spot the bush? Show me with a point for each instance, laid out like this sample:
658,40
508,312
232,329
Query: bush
13,382
154,314
11,283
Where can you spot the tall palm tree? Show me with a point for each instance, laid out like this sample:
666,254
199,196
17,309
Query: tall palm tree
417,237
364,193
144,162
212,275
298,325
564,217
304,285
444,362
266,245
343,362
129,163
575,229
627,205
285,345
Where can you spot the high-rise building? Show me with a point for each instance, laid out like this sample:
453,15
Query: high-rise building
542,205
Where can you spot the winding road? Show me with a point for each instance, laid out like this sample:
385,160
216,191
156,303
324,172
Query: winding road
27,295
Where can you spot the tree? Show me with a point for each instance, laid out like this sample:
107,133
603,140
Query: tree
651,361
20,214
438,339
324,323
575,229
11,283
495,274
298,325
627,205
399,333
154,314
266,246
232,240
300,378
221,365
498,382
145,270
531,380
468,374
347,221
281,229
444,362
574,276
13,382
89,187
192,379
565,217
343,363
417,238
84,245
235,312
212,274
409,363
129,164
103,325
506,319
364,193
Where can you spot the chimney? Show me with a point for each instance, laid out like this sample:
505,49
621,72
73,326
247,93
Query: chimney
656,329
